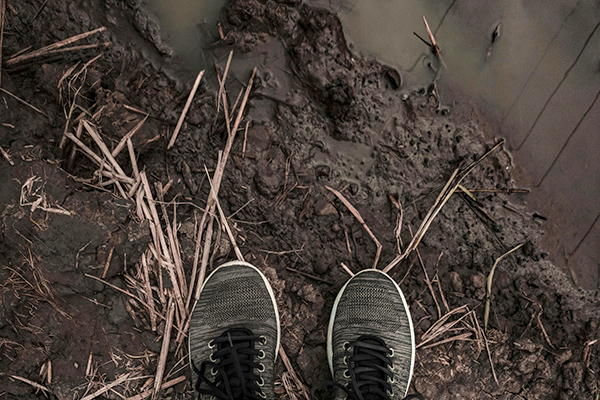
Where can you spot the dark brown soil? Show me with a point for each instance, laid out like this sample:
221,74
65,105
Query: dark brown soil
320,115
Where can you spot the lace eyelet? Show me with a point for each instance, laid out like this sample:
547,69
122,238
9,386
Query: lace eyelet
211,344
261,383
389,393
392,368
213,371
262,369
346,360
261,355
346,374
262,395
346,345
263,340
211,358
391,353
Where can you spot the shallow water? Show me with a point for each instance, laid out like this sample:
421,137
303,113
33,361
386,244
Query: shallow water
538,82
189,26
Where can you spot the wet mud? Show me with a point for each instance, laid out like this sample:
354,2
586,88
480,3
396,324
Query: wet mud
320,116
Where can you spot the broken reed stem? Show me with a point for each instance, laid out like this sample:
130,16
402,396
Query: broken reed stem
110,174
48,49
488,294
428,282
5,153
27,381
148,290
290,369
103,148
20,100
345,268
434,45
78,133
224,222
440,326
161,247
173,244
164,386
400,217
222,83
451,185
134,166
107,263
164,351
487,347
128,294
127,137
462,336
107,387
245,139
196,259
357,215
66,50
205,255
221,166
185,110
217,177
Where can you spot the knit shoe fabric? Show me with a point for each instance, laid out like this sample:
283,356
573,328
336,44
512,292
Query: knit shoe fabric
234,335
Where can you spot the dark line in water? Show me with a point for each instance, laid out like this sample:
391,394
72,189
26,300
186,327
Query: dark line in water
568,139
443,18
559,85
539,62
585,236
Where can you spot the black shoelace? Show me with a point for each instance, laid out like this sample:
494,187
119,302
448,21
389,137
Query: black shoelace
232,364
370,370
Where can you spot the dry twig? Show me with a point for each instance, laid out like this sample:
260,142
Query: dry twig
164,386
106,388
224,222
434,45
5,153
51,49
488,295
455,179
185,110
164,352
290,370
32,383
20,100
357,215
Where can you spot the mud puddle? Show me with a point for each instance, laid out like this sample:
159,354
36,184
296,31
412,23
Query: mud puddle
532,68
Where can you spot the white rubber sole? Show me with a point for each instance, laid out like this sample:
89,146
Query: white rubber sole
269,288
332,318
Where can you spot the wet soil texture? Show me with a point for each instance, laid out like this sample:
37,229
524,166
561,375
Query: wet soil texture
318,116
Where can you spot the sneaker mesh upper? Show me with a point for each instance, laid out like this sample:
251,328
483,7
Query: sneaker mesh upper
237,299
365,304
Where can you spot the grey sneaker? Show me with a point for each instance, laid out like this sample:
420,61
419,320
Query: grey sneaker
234,335
370,340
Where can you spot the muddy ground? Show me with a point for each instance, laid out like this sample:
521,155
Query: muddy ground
319,116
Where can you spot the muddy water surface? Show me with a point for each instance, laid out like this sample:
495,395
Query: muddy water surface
532,67
189,26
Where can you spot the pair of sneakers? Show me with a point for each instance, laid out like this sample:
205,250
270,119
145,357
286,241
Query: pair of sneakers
234,337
